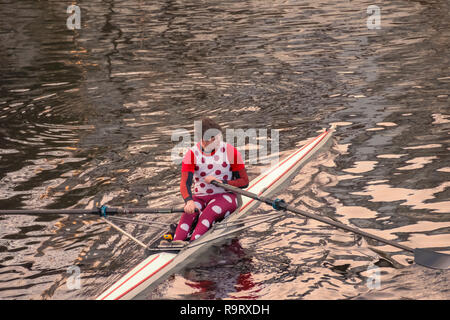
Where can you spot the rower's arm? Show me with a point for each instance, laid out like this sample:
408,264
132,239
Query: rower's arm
187,174
239,179
185,185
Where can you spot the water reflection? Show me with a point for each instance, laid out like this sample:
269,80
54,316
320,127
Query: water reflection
86,117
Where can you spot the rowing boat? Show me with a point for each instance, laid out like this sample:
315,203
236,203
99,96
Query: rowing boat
141,279
163,261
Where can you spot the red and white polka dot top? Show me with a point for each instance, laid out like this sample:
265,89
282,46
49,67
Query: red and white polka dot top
220,163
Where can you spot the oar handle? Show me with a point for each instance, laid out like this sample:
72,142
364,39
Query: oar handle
149,210
279,204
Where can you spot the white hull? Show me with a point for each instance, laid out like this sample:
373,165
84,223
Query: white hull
143,277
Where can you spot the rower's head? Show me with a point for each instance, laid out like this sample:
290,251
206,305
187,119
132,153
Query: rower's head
211,133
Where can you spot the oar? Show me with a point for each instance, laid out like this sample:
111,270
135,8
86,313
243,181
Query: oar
424,257
102,211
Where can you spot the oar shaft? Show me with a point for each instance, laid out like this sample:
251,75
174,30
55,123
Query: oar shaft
50,211
348,228
328,221
109,211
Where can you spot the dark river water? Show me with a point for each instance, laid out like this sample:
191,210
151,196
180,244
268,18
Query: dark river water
87,117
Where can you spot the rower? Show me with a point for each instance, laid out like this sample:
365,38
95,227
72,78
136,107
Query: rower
210,159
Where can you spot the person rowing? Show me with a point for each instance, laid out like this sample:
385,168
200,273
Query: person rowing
210,159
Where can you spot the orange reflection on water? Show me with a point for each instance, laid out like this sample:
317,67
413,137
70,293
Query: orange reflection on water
416,198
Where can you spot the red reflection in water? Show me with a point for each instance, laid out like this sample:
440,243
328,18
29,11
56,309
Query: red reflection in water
241,282
202,286
245,282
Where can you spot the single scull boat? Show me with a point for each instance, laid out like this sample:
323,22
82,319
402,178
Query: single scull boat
138,282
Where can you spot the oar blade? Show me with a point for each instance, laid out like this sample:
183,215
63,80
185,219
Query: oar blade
431,259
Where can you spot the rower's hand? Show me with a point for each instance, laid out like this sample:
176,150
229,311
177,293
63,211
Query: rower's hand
209,179
190,207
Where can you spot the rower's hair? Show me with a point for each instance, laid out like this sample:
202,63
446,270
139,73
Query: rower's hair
210,128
